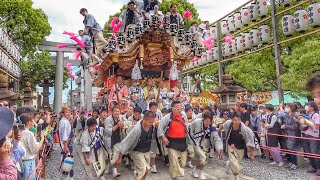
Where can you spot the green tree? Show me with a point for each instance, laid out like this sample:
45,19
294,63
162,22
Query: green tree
39,68
107,30
26,25
302,62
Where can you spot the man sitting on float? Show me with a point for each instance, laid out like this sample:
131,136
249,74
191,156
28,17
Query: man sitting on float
136,95
119,92
129,16
179,93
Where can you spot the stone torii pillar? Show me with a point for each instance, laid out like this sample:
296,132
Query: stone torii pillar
58,83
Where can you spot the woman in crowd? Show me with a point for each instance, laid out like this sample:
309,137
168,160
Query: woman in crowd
31,146
291,127
273,127
311,146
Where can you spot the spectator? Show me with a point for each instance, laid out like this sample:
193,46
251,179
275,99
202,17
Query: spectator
311,146
273,127
245,114
29,142
291,127
8,170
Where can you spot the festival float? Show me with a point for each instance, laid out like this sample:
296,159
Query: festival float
156,50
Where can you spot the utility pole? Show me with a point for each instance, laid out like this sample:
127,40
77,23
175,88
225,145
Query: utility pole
71,95
277,50
220,53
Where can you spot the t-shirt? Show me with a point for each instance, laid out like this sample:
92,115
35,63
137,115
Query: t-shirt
28,141
245,117
237,139
316,120
64,130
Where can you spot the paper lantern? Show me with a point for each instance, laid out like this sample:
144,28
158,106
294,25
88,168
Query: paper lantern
264,34
262,8
188,38
239,43
166,22
209,56
237,20
255,39
231,47
146,24
138,30
194,45
173,29
246,37
245,16
130,34
155,21
121,40
231,26
213,32
314,14
288,25
254,13
199,51
224,27
180,34
286,3
301,20
203,59
215,53
225,50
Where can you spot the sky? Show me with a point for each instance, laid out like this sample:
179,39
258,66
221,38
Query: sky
64,15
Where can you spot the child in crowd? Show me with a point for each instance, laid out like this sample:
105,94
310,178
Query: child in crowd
262,136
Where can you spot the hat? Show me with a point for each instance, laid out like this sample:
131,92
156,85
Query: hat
6,121
226,113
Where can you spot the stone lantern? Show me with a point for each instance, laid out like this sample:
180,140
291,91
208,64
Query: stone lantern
5,94
228,92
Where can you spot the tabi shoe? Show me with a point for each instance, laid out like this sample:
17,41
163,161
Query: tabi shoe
195,173
201,175
236,177
189,164
107,170
273,163
228,167
102,178
154,169
115,172
281,164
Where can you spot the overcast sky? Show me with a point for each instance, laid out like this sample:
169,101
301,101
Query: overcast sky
64,15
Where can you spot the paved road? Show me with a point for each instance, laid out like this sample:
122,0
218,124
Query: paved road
258,169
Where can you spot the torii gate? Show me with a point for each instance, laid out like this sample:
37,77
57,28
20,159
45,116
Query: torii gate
60,61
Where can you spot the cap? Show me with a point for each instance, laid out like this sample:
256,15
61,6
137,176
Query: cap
226,113
6,121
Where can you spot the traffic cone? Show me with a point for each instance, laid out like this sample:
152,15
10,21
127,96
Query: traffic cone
56,138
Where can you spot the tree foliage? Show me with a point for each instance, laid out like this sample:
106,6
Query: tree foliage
26,25
107,30
39,68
